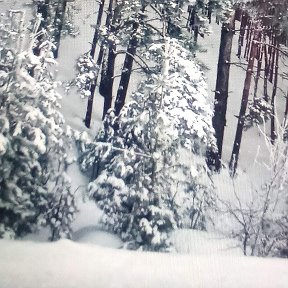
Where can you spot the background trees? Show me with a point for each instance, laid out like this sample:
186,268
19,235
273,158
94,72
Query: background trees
260,34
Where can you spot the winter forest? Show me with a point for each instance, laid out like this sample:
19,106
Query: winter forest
143,143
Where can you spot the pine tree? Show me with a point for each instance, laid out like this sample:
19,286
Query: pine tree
34,138
134,162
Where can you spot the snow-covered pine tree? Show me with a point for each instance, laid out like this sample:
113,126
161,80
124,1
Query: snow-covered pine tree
33,138
148,171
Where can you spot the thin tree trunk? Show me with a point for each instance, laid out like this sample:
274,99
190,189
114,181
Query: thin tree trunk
286,110
275,84
266,73
89,109
95,40
107,80
259,67
244,102
248,40
107,74
243,25
58,24
272,62
43,10
96,32
126,71
221,93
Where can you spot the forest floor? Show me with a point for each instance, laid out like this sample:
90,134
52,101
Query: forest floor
93,257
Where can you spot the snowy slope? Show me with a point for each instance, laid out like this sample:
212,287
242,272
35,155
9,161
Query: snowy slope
67,264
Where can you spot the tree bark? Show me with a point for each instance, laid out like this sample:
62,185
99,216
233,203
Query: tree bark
89,109
244,102
43,9
244,20
266,74
95,40
107,73
58,24
275,84
259,67
221,93
107,80
126,71
96,32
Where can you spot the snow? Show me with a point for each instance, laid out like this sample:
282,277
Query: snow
67,264
194,242
3,144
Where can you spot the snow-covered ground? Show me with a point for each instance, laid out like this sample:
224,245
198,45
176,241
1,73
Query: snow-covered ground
67,264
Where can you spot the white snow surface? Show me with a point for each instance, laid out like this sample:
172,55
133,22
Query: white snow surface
67,264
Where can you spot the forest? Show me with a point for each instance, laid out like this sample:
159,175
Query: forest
143,143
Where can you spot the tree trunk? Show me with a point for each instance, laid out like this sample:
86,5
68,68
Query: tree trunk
96,32
42,9
244,20
275,84
221,93
58,24
126,71
107,80
89,109
244,102
286,110
107,73
266,74
259,67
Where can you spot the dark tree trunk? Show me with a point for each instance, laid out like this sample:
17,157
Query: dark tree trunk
107,73
286,110
95,40
272,62
275,84
58,24
126,71
43,10
248,40
266,74
244,20
89,109
244,102
96,32
260,53
107,80
221,93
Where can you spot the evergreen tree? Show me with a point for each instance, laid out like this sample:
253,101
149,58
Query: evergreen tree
33,139
134,161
